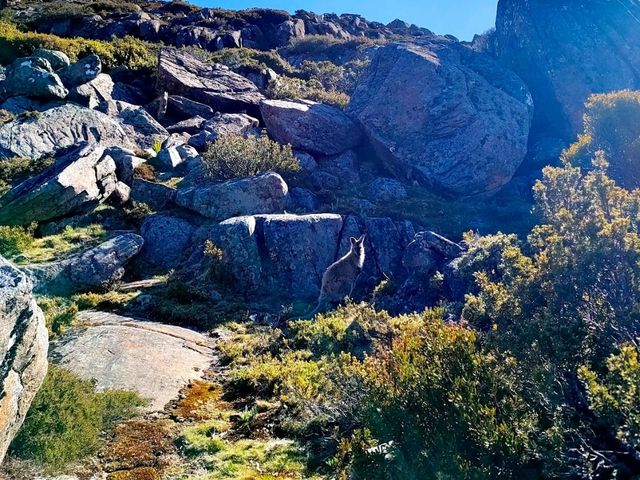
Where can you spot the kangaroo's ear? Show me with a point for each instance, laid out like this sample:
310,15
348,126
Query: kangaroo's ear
361,239
353,241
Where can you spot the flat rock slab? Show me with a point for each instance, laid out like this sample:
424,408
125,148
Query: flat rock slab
154,360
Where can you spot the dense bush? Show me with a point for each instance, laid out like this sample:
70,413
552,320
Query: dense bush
612,124
16,169
296,88
438,405
127,51
67,418
233,156
239,58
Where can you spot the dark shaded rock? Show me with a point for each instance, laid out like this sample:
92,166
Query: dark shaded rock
184,108
96,94
23,351
96,268
78,180
429,252
445,116
81,72
386,190
313,127
567,50
156,195
165,240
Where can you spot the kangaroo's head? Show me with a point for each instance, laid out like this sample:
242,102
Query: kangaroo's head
357,247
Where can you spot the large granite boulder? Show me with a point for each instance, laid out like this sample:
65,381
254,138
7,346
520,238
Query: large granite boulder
149,358
96,268
48,132
310,126
78,180
566,50
23,351
211,84
32,77
81,72
445,116
221,125
265,193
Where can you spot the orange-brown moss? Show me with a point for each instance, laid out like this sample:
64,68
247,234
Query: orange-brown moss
199,401
144,473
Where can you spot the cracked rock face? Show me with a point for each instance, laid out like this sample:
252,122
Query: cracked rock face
81,178
442,115
48,132
23,351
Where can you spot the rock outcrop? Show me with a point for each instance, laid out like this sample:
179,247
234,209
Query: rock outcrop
96,268
166,240
125,354
211,84
48,132
309,126
565,51
32,77
265,193
79,179
23,351
444,116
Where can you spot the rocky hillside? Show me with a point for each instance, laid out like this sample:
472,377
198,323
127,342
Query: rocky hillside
175,182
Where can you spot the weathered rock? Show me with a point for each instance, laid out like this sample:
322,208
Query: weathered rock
23,351
388,240
237,238
168,158
59,127
265,193
214,85
96,94
84,70
121,194
223,124
156,195
184,108
125,354
343,166
144,128
299,249
57,60
96,268
191,125
32,77
165,240
445,116
313,127
126,163
80,179
567,50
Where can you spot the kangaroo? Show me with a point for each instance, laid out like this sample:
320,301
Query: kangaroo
340,278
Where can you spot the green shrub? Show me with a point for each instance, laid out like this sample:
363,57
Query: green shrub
238,58
437,405
126,51
67,417
233,156
296,88
16,240
16,169
611,124
59,314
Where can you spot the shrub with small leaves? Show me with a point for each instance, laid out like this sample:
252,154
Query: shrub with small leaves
234,156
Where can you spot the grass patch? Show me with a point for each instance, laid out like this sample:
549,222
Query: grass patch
15,240
14,170
45,249
67,418
59,313
258,459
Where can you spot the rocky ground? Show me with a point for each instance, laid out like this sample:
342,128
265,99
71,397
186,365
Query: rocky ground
406,136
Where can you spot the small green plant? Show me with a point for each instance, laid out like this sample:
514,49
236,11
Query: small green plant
59,314
296,88
67,417
233,156
157,146
16,240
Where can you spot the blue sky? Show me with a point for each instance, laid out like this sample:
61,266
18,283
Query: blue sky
461,18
